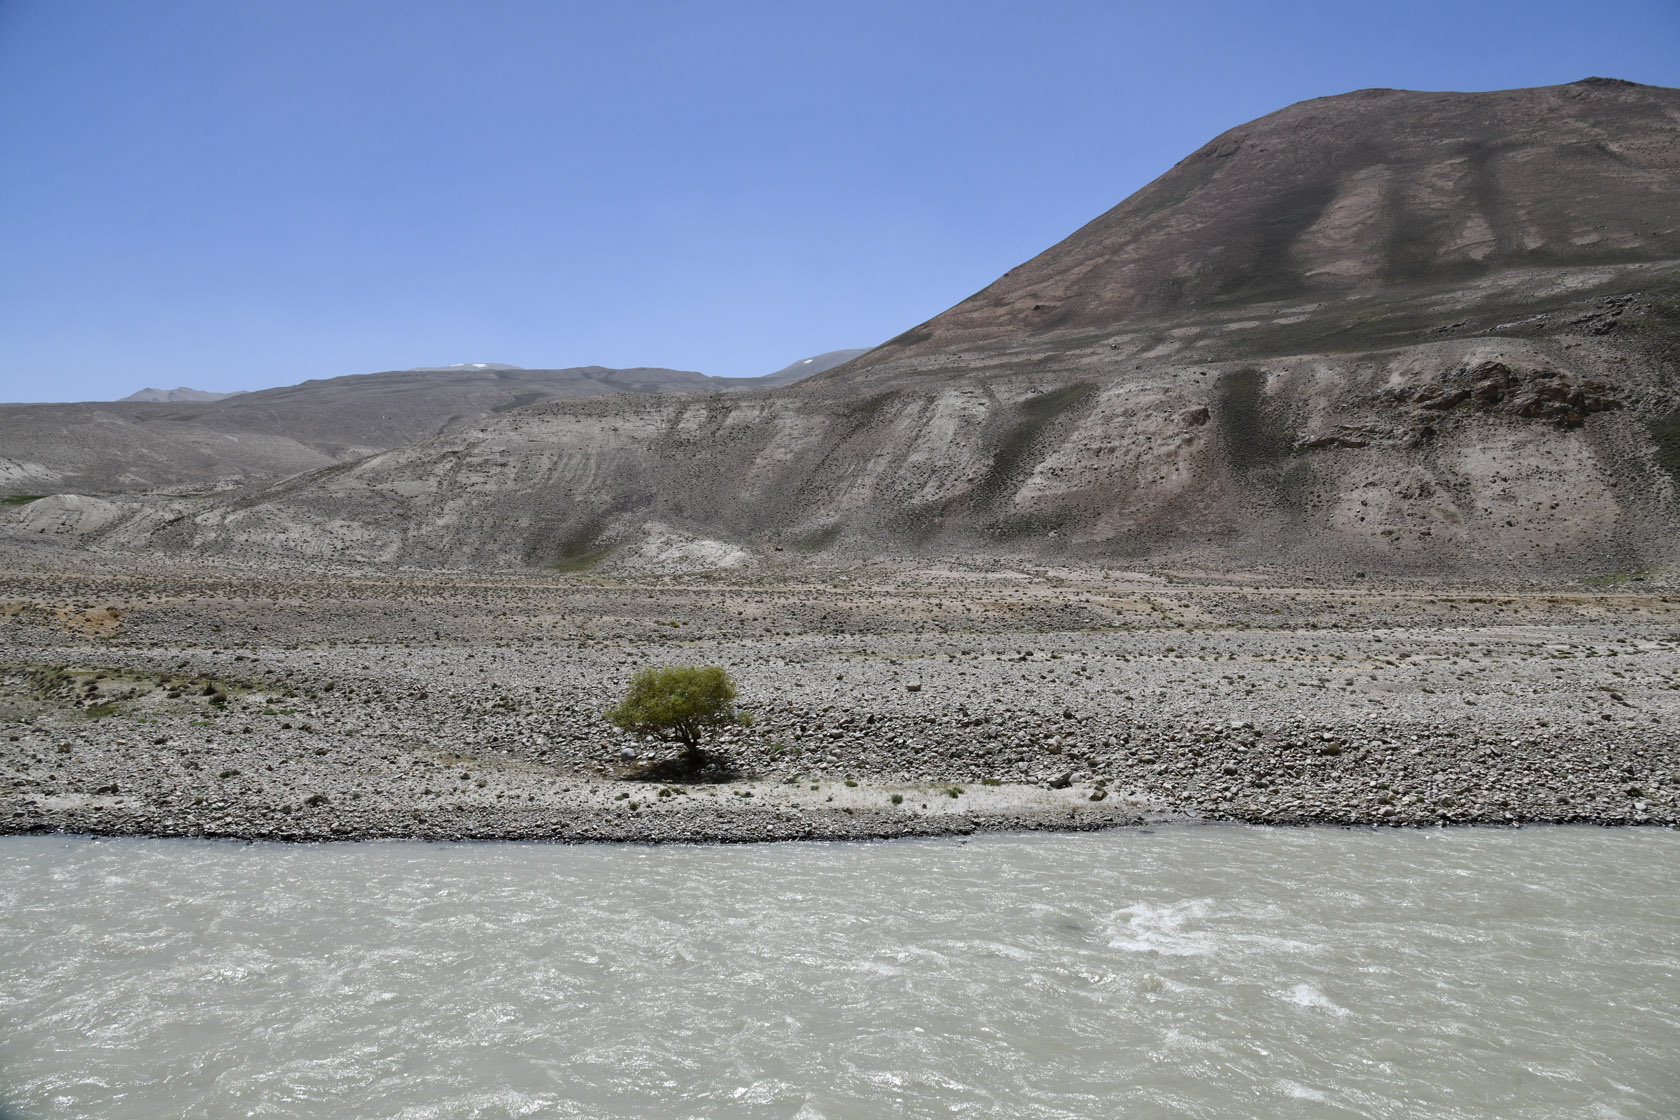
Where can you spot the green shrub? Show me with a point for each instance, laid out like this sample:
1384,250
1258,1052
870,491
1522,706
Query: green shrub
679,704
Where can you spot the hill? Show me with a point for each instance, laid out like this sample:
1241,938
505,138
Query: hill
810,367
173,396
218,439
1353,197
1393,332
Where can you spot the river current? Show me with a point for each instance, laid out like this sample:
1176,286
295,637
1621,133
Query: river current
1175,972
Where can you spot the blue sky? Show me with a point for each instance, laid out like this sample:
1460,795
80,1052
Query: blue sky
232,194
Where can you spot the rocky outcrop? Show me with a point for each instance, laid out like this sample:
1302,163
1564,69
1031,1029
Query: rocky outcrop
1534,394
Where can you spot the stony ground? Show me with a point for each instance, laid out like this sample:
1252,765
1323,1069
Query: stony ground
888,701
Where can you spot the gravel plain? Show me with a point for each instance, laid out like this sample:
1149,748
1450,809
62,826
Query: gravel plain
887,700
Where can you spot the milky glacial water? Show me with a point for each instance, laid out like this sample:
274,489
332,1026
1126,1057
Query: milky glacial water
1179,972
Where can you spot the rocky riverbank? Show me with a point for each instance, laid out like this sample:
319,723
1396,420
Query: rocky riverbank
886,704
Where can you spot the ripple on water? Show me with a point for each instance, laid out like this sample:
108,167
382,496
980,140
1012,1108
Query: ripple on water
1198,972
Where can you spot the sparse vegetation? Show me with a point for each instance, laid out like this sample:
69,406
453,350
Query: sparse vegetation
1665,435
679,704
1612,578
582,551
1035,417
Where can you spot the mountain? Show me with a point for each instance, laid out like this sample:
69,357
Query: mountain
1433,334
174,396
219,438
810,367
462,366
1353,197
788,374
110,448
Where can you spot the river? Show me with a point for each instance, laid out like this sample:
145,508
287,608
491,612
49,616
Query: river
1173,972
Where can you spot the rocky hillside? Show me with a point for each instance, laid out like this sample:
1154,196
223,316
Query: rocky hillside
205,440
104,448
1381,333
1368,193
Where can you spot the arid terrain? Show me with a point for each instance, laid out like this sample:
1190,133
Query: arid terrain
887,700
1425,334
189,443
1332,477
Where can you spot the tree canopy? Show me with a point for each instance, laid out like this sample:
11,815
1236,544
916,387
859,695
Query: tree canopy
678,703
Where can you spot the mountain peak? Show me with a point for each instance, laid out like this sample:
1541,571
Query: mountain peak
460,367
181,395
1352,195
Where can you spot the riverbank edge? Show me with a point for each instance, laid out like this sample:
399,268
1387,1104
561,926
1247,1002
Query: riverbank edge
754,829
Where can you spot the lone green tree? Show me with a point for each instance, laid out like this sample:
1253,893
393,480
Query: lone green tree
679,704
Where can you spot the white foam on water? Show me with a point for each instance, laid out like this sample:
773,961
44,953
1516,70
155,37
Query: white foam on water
1167,929
493,1103
1301,1092
1305,995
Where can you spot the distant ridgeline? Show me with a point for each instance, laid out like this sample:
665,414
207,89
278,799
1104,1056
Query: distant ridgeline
187,439
1387,332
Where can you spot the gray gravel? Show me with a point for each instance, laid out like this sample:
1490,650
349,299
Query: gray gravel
312,707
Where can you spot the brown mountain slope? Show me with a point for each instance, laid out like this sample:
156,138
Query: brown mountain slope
1225,377
1355,195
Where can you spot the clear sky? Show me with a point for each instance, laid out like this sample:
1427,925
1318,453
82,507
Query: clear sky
232,194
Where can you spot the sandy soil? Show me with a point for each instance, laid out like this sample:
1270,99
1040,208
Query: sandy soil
888,701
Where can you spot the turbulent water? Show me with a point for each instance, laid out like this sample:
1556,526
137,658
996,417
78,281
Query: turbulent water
1184,972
